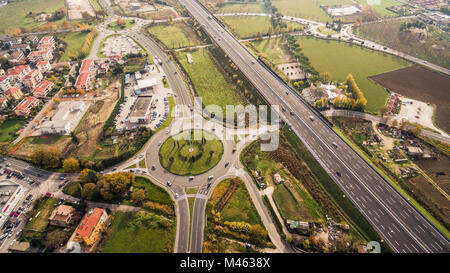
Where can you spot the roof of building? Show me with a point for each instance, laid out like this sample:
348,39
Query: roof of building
31,73
61,212
82,79
146,83
3,78
86,66
46,45
38,53
43,85
25,103
16,54
44,62
15,70
89,222
45,39
11,90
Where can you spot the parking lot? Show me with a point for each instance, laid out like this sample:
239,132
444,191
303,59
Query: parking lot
120,45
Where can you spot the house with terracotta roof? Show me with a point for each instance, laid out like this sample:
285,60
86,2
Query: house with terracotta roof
42,89
22,47
87,66
25,106
18,72
33,39
32,79
5,84
13,93
44,66
62,215
40,55
16,57
84,82
90,228
47,40
3,102
49,46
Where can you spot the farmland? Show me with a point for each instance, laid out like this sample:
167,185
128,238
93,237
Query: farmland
307,9
431,47
209,81
177,35
250,26
340,59
421,84
17,14
139,232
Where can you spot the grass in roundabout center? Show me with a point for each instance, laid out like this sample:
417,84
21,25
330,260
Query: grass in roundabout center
182,156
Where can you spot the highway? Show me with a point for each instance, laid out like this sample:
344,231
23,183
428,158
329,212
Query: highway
396,220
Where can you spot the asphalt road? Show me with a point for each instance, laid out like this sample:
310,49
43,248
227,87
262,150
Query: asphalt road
399,223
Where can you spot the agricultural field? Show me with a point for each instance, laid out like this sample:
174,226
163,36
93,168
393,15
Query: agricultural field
209,80
74,42
341,58
381,6
306,9
250,26
176,35
242,8
433,46
17,14
190,157
334,2
421,84
9,128
140,232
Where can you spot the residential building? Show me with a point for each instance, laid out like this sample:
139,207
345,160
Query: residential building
3,102
49,46
84,82
25,48
18,72
16,57
13,93
5,84
93,223
87,66
44,66
47,40
65,119
43,88
32,79
62,215
25,106
42,55
33,39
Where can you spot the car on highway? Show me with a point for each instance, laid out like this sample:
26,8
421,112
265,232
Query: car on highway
335,145
191,178
176,195
311,118
210,177
292,113
226,164
169,183
153,168
338,174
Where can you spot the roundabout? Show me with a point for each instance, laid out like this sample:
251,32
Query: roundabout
190,152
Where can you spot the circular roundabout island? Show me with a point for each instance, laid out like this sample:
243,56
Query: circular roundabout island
190,152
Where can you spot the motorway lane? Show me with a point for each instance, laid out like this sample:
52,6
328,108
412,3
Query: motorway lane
403,227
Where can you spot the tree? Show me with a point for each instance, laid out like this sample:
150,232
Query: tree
138,195
46,157
71,165
89,191
55,239
88,175
325,76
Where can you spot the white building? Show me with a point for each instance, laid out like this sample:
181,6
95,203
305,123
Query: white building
146,84
66,118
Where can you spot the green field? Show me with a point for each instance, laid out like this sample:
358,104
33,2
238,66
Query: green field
342,58
154,192
190,157
273,49
9,128
208,80
140,232
381,7
74,41
334,2
240,8
250,26
306,9
44,207
177,35
16,14
128,24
